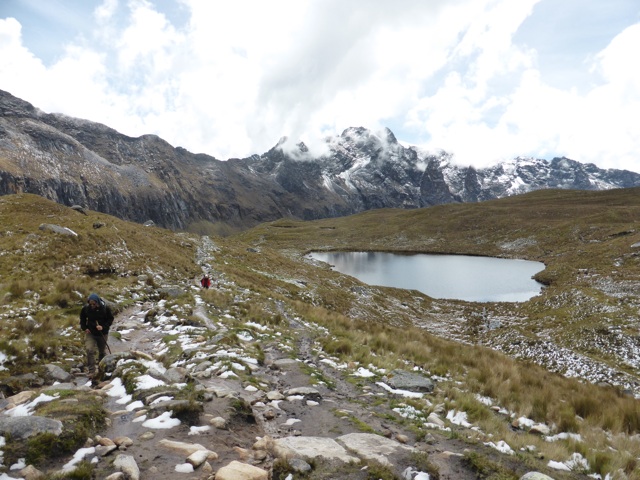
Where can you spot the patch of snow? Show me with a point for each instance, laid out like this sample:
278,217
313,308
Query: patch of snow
77,457
458,418
198,430
164,421
26,409
404,393
184,468
501,446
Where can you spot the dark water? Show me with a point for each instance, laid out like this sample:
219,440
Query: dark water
461,277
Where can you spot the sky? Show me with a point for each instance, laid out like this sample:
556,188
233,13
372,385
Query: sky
484,80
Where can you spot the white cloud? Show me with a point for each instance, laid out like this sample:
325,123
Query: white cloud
231,78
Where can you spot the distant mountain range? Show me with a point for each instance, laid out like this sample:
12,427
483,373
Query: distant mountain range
78,162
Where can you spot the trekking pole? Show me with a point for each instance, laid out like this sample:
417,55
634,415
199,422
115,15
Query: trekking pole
105,342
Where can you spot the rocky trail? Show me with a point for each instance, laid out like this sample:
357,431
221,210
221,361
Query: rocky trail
284,412
191,391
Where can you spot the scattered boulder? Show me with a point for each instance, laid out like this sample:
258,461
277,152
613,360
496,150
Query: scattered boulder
127,465
109,363
79,209
24,427
284,364
403,380
299,466
372,447
198,457
21,397
310,448
176,374
186,449
49,227
18,383
241,471
309,393
535,476
170,292
31,473
57,374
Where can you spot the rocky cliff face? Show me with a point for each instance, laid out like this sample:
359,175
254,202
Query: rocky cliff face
74,161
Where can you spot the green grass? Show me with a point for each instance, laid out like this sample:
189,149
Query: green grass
584,238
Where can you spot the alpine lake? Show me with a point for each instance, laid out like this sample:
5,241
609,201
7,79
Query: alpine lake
459,277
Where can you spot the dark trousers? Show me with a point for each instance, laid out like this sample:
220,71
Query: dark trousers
91,344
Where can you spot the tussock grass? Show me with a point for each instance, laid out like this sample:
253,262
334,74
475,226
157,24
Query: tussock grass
579,236
489,469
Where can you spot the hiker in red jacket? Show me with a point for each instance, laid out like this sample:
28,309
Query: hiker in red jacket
95,320
205,282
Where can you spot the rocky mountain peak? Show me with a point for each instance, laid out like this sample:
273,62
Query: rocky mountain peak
75,161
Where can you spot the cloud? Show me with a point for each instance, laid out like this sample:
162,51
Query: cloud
231,78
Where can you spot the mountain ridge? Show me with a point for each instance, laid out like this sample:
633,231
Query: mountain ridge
76,161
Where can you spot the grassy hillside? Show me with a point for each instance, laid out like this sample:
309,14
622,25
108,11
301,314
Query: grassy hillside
586,239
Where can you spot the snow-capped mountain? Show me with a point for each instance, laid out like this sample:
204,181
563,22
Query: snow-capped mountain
74,161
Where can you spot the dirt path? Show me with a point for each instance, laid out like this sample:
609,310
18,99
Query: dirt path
334,404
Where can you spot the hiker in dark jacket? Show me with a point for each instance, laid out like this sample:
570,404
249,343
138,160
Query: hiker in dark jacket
95,320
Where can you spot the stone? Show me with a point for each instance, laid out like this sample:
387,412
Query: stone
371,447
306,392
310,448
57,374
540,429
264,443
106,442
176,405
123,442
243,453
127,465
218,422
299,466
535,476
48,227
176,374
222,391
435,419
202,366
104,450
25,427
275,395
21,397
78,208
116,476
31,473
198,457
241,471
284,364
403,380
184,448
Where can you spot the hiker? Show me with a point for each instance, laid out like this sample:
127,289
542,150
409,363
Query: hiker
95,320
205,282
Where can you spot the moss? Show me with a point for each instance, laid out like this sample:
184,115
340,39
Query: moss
242,410
420,461
189,413
488,469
